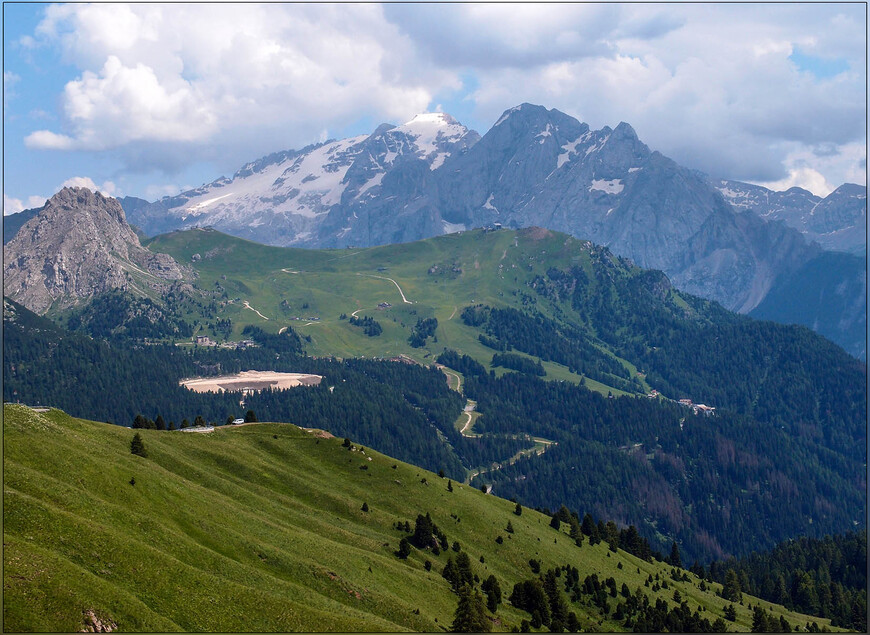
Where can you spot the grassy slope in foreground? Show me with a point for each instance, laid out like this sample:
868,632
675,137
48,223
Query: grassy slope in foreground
258,528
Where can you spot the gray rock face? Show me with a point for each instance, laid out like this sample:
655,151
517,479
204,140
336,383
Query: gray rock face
837,222
309,197
544,168
78,246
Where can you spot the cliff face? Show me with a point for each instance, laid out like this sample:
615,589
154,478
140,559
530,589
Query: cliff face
78,246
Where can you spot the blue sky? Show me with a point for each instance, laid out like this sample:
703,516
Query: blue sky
146,100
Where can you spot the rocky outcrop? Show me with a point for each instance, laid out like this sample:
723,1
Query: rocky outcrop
94,624
79,246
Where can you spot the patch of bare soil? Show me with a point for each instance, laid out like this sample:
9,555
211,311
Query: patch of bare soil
536,233
320,434
251,381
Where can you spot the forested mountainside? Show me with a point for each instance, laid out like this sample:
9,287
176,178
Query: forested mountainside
826,576
711,482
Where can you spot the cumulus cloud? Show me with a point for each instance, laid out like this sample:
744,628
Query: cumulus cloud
107,188
188,74
15,205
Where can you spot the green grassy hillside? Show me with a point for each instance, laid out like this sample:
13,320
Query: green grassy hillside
433,278
260,528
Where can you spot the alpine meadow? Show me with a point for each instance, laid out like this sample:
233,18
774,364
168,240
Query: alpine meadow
565,374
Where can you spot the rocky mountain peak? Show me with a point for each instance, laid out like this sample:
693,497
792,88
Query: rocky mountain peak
80,245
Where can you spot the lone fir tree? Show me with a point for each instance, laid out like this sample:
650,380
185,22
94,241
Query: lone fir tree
137,446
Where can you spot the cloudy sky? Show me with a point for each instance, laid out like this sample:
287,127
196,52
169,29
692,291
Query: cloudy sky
146,100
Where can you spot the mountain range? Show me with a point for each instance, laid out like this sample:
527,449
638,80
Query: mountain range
728,241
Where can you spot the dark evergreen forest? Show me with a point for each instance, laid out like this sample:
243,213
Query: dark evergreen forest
825,577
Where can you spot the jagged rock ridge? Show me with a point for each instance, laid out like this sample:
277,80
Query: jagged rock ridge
837,222
78,246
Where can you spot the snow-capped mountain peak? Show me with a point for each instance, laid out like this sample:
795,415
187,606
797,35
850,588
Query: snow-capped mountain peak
283,195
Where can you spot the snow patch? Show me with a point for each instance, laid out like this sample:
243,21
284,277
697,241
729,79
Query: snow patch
633,170
452,228
489,205
506,115
613,186
569,149
372,182
199,208
429,132
544,134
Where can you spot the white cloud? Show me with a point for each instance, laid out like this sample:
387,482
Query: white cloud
155,192
108,188
806,178
48,140
15,205
807,167
199,74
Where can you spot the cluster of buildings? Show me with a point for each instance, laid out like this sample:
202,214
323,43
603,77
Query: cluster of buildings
685,401
205,340
697,407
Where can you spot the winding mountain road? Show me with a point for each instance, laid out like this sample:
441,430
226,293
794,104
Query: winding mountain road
371,275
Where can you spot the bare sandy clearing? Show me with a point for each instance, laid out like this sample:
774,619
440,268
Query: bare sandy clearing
250,380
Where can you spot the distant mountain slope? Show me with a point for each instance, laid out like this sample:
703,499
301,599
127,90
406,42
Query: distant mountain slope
837,222
80,245
827,294
13,222
271,528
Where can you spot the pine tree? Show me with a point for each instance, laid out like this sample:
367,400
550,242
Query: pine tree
492,589
159,423
450,573
731,589
463,566
423,530
449,485
675,560
405,550
759,620
518,510
250,417
137,446
470,616
365,506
